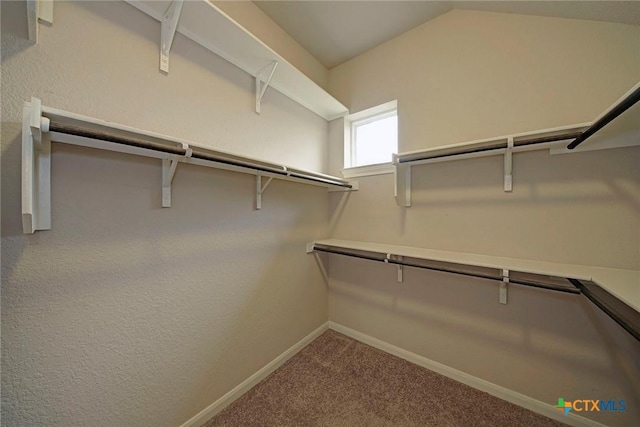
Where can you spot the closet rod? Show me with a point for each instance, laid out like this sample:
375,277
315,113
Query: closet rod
494,146
571,290
611,115
197,153
624,315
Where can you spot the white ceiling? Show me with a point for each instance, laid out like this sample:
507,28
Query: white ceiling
336,31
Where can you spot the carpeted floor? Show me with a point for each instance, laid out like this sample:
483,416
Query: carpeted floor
337,381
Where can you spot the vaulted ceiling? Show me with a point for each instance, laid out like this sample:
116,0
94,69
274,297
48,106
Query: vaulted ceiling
336,31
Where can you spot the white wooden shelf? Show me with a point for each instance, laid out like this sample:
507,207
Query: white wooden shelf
42,125
624,131
210,27
620,284
625,284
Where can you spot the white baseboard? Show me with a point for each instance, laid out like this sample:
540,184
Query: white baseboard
503,393
537,406
217,406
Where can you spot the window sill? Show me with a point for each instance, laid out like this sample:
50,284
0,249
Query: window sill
368,170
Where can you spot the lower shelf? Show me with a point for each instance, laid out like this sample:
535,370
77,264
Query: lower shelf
615,291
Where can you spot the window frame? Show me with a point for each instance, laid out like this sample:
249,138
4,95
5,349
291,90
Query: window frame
361,118
366,121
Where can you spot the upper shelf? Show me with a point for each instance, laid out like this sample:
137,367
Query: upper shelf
618,126
527,141
210,27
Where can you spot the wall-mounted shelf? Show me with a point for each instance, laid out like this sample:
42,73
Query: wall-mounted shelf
210,27
615,291
42,125
622,121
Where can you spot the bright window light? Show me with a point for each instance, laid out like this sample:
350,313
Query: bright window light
374,139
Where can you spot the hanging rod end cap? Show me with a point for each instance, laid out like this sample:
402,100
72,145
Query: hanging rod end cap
44,124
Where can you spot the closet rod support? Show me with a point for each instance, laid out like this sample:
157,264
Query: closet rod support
36,168
508,166
503,286
260,189
168,27
45,11
402,178
169,167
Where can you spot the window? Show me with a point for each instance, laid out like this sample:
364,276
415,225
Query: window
375,139
373,136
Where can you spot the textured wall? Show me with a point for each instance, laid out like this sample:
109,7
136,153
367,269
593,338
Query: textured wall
126,314
470,75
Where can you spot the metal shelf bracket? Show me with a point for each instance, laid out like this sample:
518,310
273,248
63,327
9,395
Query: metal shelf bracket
508,166
168,171
262,85
503,286
168,27
260,189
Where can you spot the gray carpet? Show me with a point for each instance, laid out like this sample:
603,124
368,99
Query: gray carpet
337,381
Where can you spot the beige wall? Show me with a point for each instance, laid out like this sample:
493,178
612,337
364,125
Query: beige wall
469,75
129,314
259,24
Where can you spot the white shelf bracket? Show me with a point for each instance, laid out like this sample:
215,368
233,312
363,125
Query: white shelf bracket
36,169
169,167
311,250
508,166
503,286
386,261
260,189
402,178
168,27
262,85
32,20
45,11
168,171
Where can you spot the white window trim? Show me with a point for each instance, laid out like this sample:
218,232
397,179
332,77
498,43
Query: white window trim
362,117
